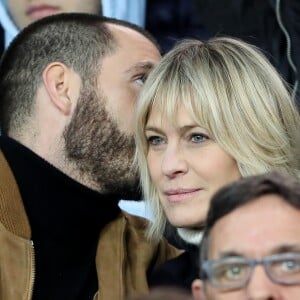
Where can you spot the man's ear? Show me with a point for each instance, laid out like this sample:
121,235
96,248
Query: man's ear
197,290
56,78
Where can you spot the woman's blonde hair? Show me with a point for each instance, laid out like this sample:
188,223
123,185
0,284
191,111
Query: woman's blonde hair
230,89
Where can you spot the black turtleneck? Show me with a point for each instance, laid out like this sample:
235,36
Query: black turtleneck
65,218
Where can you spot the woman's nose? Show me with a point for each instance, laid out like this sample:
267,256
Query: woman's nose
174,161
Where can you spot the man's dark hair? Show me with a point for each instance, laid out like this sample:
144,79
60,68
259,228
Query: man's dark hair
78,40
246,190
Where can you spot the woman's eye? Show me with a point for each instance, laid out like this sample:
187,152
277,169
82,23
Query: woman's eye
199,138
155,140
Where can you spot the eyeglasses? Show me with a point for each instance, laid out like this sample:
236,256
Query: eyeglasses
232,273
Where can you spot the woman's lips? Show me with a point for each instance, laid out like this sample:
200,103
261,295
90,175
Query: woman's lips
174,196
40,11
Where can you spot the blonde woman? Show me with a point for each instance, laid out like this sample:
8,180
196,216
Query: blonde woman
210,113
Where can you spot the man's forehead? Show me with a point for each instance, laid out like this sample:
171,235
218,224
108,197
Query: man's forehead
121,31
135,51
248,225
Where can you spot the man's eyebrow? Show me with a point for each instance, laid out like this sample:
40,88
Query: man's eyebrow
277,250
286,248
231,253
141,65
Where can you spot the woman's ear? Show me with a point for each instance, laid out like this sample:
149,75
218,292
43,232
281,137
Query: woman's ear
56,78
197,290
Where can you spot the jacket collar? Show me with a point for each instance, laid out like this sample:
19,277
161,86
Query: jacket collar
12,211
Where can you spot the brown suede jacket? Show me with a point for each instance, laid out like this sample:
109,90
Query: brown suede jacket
123,256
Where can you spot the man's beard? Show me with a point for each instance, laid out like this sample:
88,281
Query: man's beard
99,150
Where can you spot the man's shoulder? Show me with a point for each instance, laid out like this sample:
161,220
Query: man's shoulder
12,214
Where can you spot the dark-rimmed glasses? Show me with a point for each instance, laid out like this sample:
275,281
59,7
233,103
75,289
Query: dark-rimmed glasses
235,272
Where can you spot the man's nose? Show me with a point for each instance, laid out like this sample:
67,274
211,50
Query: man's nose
261,287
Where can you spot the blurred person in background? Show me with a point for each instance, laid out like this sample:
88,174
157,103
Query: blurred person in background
272,25
173,20
16,14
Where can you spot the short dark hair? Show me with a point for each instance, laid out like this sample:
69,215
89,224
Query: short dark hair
246,190
78,40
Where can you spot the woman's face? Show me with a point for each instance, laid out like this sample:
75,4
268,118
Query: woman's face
186,167
25,12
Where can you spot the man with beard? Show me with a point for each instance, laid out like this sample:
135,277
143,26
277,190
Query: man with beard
68,86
